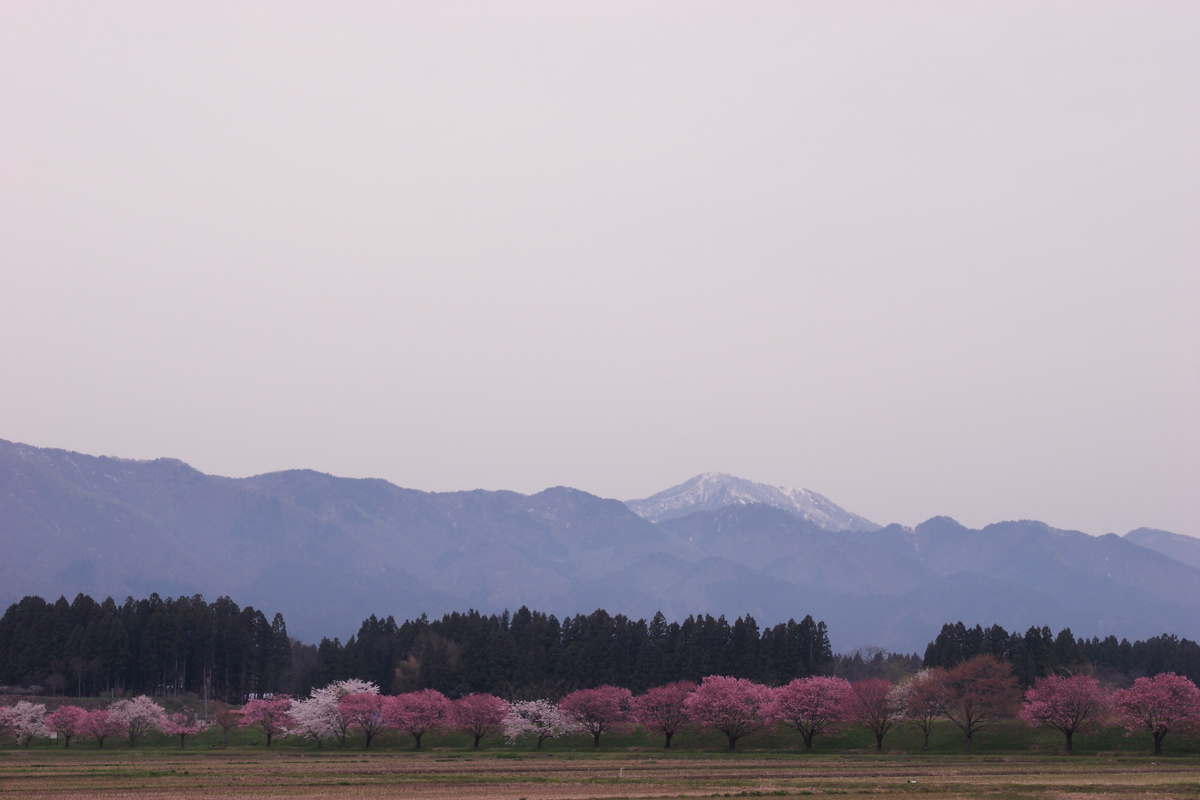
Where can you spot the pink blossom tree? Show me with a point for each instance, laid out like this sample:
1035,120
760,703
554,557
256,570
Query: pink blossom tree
67,721
731,705
24,721
540,718
874,705
478,715
363,711
182,724
597,710
661,708
270,716
1162,704
1066,704
137,717
101,725
416,712
811,706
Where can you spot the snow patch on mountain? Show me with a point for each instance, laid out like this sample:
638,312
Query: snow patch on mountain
715,490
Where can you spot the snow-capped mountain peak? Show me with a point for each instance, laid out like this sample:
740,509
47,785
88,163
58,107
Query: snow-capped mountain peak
715,490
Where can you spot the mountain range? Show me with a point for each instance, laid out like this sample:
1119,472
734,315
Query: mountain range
329,551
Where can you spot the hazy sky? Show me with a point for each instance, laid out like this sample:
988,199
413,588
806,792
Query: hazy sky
922,258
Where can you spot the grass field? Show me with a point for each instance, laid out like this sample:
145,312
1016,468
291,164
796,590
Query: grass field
1011,761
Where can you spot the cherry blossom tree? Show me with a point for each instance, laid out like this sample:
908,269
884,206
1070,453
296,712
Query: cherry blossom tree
416,712
24,721
978,692
874,705
311,720
1066,704
138,717
733,706
478,715
325,701
227,718
597,710
363,711
661,708
1162,704
101,725
810,705
182,724
271,716
540,718
920,700
67,721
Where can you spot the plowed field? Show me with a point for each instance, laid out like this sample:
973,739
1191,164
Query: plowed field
132,774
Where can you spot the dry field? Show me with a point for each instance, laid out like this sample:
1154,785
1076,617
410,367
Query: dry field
133,774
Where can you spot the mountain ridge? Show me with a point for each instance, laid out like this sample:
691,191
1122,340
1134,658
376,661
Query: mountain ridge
329,551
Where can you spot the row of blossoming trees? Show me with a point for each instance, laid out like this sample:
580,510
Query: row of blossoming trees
971,696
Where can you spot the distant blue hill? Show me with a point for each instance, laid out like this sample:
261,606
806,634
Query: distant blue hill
329,551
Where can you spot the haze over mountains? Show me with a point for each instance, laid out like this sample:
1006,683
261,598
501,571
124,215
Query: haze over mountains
329,551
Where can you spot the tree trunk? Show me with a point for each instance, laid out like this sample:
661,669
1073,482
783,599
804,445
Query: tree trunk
968,741
540,739
477,738
1158,737
1069,735
596,739
669,735
879,743
808,737
417,736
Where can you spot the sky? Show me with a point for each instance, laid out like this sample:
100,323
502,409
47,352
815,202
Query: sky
923,258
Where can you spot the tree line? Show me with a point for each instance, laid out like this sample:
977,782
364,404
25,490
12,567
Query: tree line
153,646
172,647
1039,652
530,654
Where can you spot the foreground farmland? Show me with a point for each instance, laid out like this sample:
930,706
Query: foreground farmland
240,774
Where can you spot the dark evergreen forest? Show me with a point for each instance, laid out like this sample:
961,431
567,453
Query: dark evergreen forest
171,647
530,654
149,646
1039,652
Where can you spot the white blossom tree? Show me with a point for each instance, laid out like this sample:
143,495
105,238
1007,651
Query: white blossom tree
324,704
24,721
138,716
540,718
311,720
